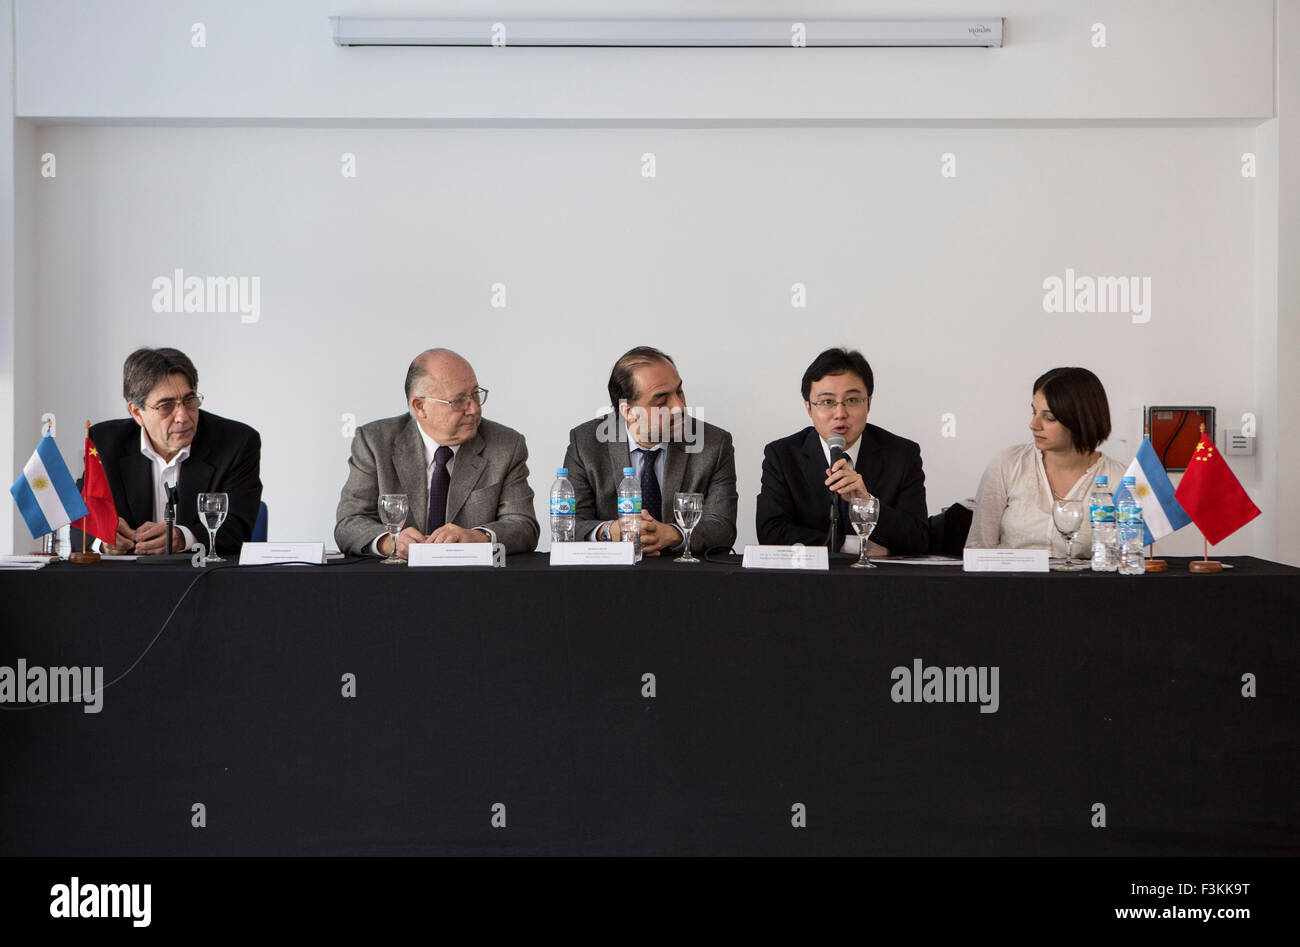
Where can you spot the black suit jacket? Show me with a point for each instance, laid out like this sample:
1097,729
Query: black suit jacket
794,504
225,457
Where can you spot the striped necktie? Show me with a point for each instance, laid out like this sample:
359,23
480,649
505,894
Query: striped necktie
651,499
438,486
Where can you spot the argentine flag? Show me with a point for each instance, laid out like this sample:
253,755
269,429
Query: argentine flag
45,492
1161,513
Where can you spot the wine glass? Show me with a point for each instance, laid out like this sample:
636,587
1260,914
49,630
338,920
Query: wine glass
1067,516
212,511
687,510
864,512
392,513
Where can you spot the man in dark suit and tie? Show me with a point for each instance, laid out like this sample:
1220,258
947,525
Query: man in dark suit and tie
166,443
798,479
465,478
670,452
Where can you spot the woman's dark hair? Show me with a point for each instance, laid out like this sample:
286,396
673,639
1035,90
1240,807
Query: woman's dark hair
144,368
837,362
621,384
1078,400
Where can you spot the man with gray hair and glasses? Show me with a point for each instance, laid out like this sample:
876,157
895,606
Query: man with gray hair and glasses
169,446
465,478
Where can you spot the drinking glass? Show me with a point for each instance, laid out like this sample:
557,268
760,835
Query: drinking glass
212,511
1067,516
392,513
864,512
687,509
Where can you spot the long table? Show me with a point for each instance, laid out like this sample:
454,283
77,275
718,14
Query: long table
358,708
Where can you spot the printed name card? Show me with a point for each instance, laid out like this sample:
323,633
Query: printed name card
1005,560
268,554
449,554
787,557
592,554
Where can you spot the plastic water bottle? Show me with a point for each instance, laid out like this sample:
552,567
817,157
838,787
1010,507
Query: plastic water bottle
629,510
564,508
1128,522
1101,516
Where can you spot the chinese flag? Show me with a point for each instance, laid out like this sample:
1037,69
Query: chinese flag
1212,496
101,521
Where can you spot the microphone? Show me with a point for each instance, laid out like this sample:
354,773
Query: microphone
836,443
169,514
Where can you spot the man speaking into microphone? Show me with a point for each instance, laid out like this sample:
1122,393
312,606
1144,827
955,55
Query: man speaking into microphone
803,483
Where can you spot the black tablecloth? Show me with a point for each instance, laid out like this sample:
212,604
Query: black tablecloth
516,695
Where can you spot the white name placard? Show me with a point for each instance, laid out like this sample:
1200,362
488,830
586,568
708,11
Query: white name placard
1005,560
268,554
592,554
786,557
449,554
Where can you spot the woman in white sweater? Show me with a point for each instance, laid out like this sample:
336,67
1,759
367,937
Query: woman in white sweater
1013,508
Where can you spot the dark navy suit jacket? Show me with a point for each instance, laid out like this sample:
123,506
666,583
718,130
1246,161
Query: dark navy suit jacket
794,504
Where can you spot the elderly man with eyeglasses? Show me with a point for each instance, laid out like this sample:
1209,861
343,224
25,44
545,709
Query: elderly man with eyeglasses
168,444
465,478
799,479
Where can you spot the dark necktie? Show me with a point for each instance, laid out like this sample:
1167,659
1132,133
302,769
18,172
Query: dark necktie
438,485
651,499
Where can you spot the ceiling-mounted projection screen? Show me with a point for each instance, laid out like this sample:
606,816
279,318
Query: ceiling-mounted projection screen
426,31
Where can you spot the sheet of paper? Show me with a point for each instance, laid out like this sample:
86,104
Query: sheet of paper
592,554
813,558
268,554
919,560
449,554
23,563
1005,560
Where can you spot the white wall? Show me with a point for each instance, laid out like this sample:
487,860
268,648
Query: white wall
1164,59
1285,137
8,287
938,280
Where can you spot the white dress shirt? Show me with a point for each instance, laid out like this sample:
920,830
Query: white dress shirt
165,473
1013,509
636,460
430,460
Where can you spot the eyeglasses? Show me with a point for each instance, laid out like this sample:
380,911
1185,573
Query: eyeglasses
167,407
478,396
829,404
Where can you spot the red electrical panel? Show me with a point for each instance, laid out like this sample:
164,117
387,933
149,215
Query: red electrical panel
1175,431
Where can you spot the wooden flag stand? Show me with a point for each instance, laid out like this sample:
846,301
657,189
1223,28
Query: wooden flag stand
48,542
1205,564
83,557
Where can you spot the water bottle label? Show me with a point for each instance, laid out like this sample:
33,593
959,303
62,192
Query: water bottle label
1129,516
1102,514
562,506
628,505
